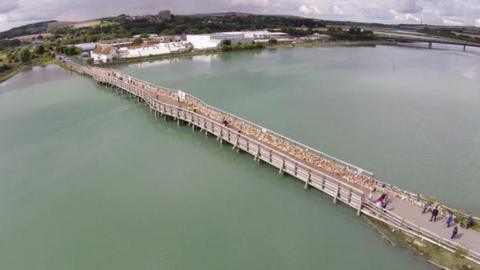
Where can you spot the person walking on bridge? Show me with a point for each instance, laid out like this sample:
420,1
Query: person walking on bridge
454,232
434,214
470,222
449,220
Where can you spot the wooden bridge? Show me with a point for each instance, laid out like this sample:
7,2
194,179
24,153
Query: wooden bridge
342,181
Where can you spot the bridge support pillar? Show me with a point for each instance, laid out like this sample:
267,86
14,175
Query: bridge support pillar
307,183
429,45
464,48
282,168
359,210
257,155
336,194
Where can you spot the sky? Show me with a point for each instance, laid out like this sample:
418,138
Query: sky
442,12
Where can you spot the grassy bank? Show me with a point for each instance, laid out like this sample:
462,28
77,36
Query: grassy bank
7,74
434,254
17,68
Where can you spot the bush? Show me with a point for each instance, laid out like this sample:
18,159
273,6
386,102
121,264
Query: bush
25,55
68,50
354,33
272,41
39,50
239,46
4,67
137,41
226,42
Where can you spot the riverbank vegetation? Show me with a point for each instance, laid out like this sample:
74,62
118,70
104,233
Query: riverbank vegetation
434,254
459,34
354,33
17,59
227,46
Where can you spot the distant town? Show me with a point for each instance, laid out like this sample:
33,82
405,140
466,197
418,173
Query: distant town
125,37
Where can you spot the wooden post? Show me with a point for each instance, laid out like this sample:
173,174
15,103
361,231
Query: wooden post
309,178
270,156
282,167
323,182
350,196
236,143
257,155
359,210
336,194
220,135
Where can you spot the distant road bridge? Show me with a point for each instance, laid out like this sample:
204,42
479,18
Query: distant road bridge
424,39
342,181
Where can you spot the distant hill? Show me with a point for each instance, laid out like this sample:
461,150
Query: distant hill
166,23
29,29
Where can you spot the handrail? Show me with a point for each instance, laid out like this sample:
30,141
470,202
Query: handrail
358,191
294,142
386,214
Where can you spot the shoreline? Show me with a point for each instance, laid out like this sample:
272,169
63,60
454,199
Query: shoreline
24,67
307,44
434,255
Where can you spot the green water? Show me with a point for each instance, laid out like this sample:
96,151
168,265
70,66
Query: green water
89,180
411,116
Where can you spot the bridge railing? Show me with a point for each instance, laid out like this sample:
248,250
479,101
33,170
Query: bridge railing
313,177
173,92
409,227
292,142
265,131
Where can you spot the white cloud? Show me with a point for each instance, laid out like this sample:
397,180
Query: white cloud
407,6
16,12
309,9
405,17
250,2
452,22
477,22
8,5
337,10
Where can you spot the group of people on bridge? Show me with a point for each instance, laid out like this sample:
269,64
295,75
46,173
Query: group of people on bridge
451,219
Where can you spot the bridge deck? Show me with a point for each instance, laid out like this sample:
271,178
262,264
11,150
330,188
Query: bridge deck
342,181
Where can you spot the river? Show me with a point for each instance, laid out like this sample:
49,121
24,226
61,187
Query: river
89,180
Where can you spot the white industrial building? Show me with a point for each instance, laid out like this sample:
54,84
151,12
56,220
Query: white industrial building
211,41
202,42
148,50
